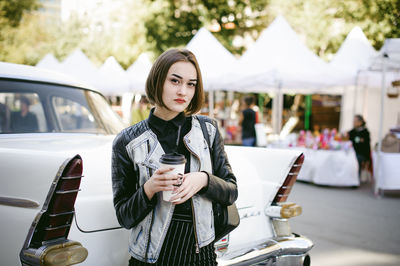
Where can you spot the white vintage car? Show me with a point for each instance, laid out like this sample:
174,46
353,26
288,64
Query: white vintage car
56,196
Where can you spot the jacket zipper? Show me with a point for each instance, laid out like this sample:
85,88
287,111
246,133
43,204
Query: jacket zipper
194,228
193,215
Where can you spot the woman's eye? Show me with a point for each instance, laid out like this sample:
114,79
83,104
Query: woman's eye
175,81
192,84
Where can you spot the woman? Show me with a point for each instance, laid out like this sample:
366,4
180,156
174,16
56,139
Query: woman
182,232
360,139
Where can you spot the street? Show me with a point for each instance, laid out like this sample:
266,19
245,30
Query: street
348,226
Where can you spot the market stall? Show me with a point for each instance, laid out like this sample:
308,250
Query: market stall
329,157
389,170
330,167
387,60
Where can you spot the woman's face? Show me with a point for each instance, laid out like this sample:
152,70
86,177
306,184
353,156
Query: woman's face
357,122
179,87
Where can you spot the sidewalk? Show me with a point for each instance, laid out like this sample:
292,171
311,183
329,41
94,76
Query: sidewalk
349,226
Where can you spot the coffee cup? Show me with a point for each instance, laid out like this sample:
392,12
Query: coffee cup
177,162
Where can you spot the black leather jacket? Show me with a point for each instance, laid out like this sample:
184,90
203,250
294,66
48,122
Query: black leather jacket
130,201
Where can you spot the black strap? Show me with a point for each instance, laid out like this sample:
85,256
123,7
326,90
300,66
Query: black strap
206,136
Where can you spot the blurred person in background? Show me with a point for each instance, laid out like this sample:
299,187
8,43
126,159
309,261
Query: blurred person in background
247,121
24,120
359,136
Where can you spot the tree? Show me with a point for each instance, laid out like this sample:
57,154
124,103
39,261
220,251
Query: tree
27,43
324,24
315,22
172,23
11,11
378,19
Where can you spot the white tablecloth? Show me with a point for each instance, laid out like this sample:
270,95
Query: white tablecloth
332,168
389,176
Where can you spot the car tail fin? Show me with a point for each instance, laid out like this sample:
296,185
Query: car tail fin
47,238
285,189
280,210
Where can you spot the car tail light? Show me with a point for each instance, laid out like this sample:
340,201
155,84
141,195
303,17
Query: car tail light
280,210
46,242
222,244
287,185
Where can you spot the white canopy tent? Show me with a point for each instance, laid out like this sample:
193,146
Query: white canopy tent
280,59
78,65
49,62
388,60
114,81
213,58
114,78
355,53
214,61
138,72
354,57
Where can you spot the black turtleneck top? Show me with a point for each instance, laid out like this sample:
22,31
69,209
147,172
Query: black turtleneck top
167,134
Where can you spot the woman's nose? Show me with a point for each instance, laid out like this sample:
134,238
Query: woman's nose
182,90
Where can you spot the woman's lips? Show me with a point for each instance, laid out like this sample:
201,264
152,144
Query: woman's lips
180,100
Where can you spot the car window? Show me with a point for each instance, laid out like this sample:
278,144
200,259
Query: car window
54,108
73,116
21,113
103,112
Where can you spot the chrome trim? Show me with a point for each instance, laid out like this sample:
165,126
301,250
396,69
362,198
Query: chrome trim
71,177
57,227
67,191
36,256
295,245
19,202
295,173
60,214
283,195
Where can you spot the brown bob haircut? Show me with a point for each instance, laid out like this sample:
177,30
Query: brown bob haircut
158,74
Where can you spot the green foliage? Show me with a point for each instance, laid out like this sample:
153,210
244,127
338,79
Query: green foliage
249,17
11,11
25,44
156,25
378,19
173,23
36,36
324,24
315,22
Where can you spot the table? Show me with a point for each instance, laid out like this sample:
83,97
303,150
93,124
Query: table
389,174
330,167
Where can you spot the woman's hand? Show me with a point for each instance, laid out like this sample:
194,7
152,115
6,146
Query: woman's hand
161,180
192,183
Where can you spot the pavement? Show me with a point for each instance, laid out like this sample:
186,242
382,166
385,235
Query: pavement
349,226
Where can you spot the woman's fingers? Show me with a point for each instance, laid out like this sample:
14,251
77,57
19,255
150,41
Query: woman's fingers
163,170
183,193
163,180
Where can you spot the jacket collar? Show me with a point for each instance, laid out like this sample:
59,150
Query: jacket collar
193,140
160,124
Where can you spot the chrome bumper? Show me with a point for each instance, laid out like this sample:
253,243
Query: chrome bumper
286,251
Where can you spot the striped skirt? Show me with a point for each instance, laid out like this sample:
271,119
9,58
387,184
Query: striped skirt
179,247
